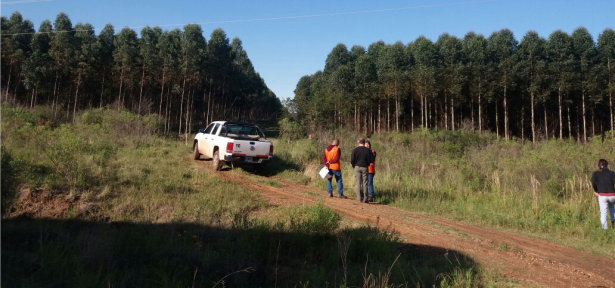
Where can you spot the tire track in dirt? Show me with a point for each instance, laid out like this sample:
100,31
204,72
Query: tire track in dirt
526,259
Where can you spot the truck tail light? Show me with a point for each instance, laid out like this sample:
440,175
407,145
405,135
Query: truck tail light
229,147
271,150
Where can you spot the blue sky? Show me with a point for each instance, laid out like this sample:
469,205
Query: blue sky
284,50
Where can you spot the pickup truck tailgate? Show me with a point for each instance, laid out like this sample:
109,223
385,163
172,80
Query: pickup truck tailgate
251,148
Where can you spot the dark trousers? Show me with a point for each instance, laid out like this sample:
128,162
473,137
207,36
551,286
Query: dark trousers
360,176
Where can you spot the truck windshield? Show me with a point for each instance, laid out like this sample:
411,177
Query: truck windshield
243,132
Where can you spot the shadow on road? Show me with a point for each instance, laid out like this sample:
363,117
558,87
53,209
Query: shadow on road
74,253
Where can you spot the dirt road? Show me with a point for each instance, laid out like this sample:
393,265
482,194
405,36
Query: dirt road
526,259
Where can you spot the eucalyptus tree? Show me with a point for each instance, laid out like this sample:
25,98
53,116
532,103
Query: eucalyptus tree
125,56
105,65
475,49
85,57
219,61
532,71
374,52
302,101
193,49
61,51
503,44
585,57
606,49
169,48
451,58
150,61
39,65
561,59
391,65
425,55
365,77
15,47
339,76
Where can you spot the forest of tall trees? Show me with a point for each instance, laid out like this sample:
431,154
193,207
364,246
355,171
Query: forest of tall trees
176,74
560,87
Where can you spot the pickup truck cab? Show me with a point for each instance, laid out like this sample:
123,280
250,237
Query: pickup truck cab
232,142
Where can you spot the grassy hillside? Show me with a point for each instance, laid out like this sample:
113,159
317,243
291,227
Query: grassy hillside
106,201
541,189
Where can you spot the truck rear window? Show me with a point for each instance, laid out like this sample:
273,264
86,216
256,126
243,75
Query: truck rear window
243,132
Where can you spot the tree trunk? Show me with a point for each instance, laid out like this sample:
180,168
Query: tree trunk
76,94
533,120
505,115
32,99
422,111
102,90
480,111
119,97
141,90
497,120
569,122
546,124
167,110
55,96
181,106
610,96
379,122
522,120
388,114
411,113
453,113
8,84
472,113
161,93
594,121
445,112
584,118
188,114
559,104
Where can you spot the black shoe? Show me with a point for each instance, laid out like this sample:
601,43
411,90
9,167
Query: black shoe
342,197
369,200
331,195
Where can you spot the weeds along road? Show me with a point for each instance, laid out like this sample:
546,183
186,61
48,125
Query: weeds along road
526,259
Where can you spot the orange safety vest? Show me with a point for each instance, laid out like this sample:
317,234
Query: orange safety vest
330,156
372,166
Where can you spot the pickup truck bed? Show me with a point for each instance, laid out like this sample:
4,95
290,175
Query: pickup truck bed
232,142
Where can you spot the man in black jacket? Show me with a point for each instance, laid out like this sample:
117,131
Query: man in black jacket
360,159
603,182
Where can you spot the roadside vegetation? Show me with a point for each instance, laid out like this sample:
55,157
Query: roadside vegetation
108,201
541,189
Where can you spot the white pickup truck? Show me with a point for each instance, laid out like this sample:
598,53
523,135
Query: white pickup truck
232,142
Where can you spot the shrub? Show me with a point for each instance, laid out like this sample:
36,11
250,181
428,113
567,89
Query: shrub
291,130
314,219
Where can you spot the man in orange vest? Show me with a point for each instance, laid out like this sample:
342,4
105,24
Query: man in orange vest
331,159
371,172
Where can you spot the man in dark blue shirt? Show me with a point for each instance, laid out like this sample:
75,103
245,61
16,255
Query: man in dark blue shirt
603,182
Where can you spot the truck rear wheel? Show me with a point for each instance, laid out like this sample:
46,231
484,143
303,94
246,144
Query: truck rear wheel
217,164
197,155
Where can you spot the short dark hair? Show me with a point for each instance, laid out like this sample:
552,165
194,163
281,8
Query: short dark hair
603,162
361,141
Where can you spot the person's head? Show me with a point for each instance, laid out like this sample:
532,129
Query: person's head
603,164
368,144
335,142
361,142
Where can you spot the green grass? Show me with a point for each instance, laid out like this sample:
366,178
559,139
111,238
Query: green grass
540,189
154,218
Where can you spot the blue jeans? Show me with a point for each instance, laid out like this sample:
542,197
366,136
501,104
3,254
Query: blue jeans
340,185
370,184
